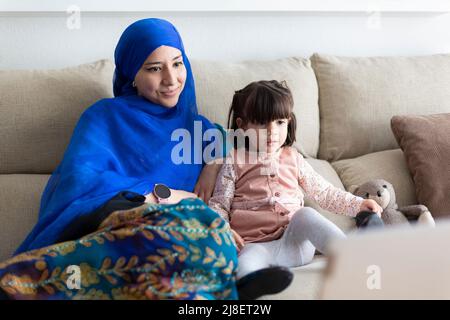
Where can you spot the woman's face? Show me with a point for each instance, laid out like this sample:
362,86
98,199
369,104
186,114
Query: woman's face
162,77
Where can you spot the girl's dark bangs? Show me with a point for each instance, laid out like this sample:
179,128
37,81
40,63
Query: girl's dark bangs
263,106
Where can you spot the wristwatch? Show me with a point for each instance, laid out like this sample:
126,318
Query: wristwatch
162,193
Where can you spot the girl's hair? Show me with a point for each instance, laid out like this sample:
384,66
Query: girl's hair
262,102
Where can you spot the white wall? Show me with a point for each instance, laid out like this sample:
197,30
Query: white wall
42,40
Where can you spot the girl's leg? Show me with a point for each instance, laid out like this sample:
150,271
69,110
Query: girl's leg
256,274
307,231
254,256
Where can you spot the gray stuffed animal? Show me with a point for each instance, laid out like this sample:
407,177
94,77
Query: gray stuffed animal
383,193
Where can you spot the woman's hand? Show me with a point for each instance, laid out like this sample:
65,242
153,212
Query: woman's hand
207,181
175,196
178,195
237,240
371,205
150,198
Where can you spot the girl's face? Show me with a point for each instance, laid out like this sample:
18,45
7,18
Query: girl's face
275,133
162,77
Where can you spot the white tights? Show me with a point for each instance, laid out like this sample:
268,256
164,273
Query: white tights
307,231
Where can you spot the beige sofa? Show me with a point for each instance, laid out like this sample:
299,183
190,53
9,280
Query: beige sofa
343,107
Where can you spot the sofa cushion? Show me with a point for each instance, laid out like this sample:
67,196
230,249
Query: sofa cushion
389,165
425,141
39,109
307,283
20,196
358,97
324,168
216,83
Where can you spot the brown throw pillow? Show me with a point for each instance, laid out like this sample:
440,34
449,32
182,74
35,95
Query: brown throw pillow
425,141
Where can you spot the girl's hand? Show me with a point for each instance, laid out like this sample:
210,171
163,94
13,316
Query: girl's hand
237,240
371,205
207,181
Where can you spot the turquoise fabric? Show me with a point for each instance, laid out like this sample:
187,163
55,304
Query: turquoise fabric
180,251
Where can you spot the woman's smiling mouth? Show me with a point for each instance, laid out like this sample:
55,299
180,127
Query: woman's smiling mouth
170,93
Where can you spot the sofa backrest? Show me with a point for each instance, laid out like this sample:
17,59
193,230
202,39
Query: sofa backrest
39,110
359,96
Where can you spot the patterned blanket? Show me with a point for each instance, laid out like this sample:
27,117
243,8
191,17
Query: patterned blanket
180,251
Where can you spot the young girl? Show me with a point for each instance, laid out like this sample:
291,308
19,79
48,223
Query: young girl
263,200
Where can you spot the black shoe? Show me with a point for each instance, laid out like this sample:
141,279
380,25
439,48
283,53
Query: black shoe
270,280
368,219
3,295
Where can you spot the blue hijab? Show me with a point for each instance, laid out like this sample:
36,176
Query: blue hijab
121,143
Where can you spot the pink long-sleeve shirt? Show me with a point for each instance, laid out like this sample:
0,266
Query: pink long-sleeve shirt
259,198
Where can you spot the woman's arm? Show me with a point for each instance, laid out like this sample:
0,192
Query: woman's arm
88,223
207,181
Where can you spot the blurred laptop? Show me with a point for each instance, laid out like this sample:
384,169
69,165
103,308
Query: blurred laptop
390,263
